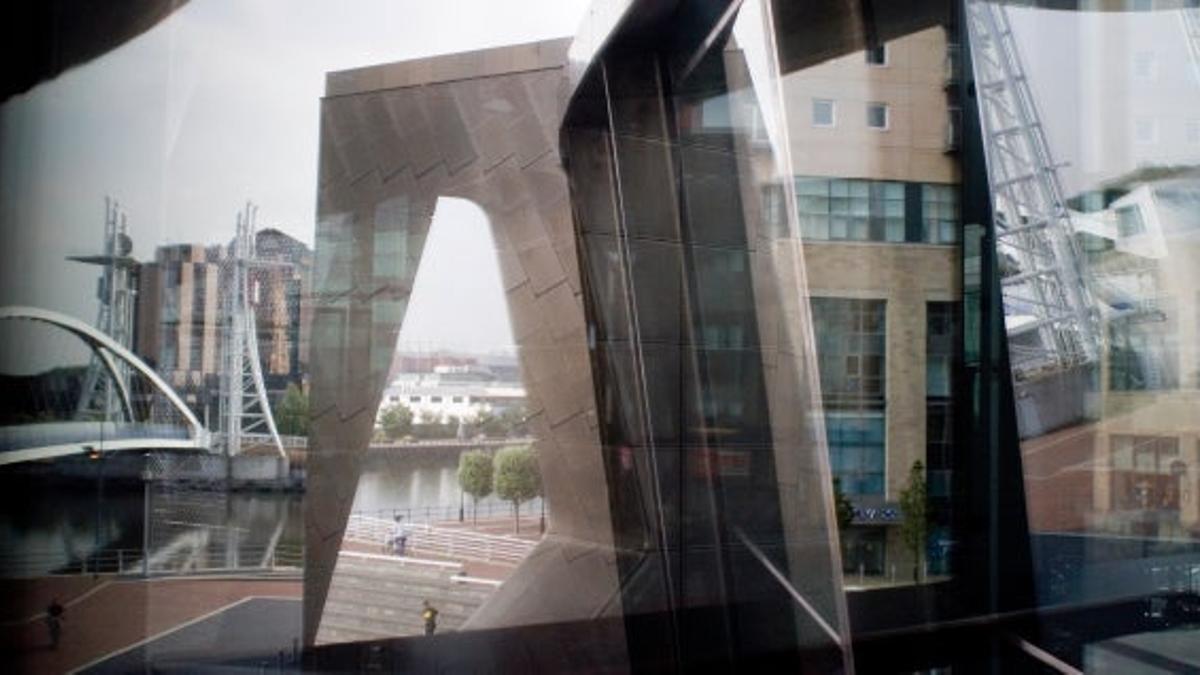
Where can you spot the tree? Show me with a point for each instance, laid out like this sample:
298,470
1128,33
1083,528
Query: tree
475,477
397,421
291,413
512,421
517,477
914,530
843,506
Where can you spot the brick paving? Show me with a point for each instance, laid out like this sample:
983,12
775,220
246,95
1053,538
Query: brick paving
119,614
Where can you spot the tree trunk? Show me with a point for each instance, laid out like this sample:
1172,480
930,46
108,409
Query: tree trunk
475,512
517,510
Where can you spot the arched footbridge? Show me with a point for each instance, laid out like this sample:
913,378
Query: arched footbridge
149,416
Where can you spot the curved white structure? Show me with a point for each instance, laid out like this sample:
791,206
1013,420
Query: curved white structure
106,348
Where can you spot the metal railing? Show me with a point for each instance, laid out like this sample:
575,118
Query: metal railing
441,541
434,514
129,561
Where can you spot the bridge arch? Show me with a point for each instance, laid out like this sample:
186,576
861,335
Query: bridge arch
106,349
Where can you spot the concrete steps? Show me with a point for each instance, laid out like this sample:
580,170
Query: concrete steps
373,597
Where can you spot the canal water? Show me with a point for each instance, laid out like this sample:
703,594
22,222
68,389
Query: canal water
52,524
423,484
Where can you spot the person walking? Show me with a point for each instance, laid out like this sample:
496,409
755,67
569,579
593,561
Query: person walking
400,534
54,619
429,616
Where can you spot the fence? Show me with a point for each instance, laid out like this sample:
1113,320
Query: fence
242,560
433,514
441,541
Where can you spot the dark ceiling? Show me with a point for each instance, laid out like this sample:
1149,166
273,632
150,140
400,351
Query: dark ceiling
46,37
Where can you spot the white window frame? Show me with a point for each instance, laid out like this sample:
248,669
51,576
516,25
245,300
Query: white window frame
832,113
887,116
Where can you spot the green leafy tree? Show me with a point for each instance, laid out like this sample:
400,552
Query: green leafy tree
843,506
517,478
291,413
475,478
396,421
512,422
914,530
488,424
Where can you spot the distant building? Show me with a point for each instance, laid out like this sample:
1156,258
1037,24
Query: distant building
180,322
462,390
874,140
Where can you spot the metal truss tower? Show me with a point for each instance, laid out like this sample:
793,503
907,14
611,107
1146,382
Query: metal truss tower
1052,319
115,291
245,410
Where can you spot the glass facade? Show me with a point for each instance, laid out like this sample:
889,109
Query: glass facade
757,336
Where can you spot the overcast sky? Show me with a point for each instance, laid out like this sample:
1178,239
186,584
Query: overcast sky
216,105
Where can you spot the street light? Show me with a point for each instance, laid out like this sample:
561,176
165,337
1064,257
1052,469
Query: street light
147,475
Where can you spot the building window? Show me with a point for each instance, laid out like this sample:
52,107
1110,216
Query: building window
877,115
1146,472
856,451
871,210
850,345
1193,132
435,399
1143,355
939,213
456,399
942,346
877,56
823,112
414,399
1129,221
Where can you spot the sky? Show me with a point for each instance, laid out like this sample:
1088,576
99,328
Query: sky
217,105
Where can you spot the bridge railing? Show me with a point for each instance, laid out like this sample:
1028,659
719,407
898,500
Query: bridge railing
447,542
128,561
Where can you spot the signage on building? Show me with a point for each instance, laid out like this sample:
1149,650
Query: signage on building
883,514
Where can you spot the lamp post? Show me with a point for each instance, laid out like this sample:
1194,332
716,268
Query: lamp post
147,475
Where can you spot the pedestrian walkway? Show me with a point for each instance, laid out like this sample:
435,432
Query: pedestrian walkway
375,596
104,618
456,543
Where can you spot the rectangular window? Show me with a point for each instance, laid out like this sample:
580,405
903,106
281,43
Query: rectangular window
877,56
850,337
939,213
823,112
856,451
414,399
1144,473
456,399
877,116
1129,221
435,399
873,210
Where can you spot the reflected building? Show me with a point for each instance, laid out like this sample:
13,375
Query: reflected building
181,319
752,249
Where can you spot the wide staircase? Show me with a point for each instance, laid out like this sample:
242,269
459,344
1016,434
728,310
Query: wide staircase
379,596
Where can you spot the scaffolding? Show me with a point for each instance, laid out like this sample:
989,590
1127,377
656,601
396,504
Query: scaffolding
1051,318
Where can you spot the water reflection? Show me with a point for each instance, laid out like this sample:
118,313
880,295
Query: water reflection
55,525
424,485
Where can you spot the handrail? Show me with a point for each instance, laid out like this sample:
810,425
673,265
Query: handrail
124,561
448,542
